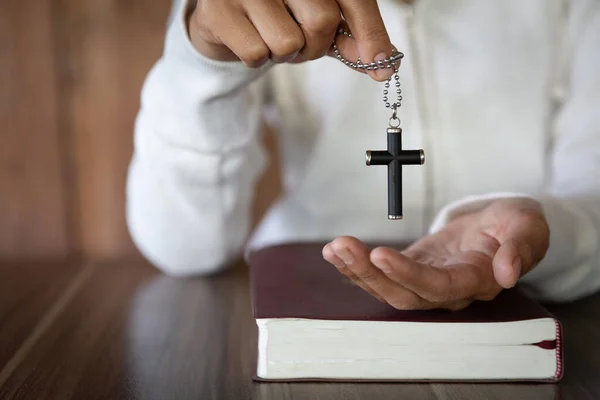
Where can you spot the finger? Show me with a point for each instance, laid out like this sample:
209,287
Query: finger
372,40
346,47
203,38
238,34
523,244
277,28
437,285
507,263
458,305
330,257
355,256
319,21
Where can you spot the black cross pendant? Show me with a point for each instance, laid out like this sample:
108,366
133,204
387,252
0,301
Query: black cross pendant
395,158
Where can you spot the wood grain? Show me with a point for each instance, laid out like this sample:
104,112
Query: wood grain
32,186
27,292
131,333
107,47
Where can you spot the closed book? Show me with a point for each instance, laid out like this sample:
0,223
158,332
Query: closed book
315,324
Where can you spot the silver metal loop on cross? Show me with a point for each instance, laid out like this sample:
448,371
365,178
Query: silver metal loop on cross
394,120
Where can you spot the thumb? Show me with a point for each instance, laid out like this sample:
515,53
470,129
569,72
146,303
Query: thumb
372,40
523,244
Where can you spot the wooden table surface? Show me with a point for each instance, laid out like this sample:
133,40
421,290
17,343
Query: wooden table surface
123,331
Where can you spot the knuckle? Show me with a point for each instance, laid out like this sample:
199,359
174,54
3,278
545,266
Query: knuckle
255,55
340,267
289,44
374,34
367,276
345,271
323,23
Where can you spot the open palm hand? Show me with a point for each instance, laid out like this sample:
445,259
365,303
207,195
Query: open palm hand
473,258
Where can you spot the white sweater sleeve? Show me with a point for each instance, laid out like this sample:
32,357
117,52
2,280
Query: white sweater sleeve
197,156
571,268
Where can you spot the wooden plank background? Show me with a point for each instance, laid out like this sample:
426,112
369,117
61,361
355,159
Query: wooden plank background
70,77
32,175
71,72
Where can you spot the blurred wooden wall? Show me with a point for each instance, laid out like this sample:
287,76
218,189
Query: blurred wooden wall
70,77
71,72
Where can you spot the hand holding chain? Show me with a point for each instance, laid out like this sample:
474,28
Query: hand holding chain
388,63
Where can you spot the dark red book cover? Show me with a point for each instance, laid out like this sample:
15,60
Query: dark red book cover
294,281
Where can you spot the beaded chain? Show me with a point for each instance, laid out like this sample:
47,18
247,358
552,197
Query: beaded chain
374,66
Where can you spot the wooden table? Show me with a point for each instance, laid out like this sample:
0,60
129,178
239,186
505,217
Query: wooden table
123,331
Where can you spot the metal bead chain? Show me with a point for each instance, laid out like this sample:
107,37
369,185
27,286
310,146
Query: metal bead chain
398,102
374,66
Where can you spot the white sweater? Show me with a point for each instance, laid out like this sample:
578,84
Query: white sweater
503,96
